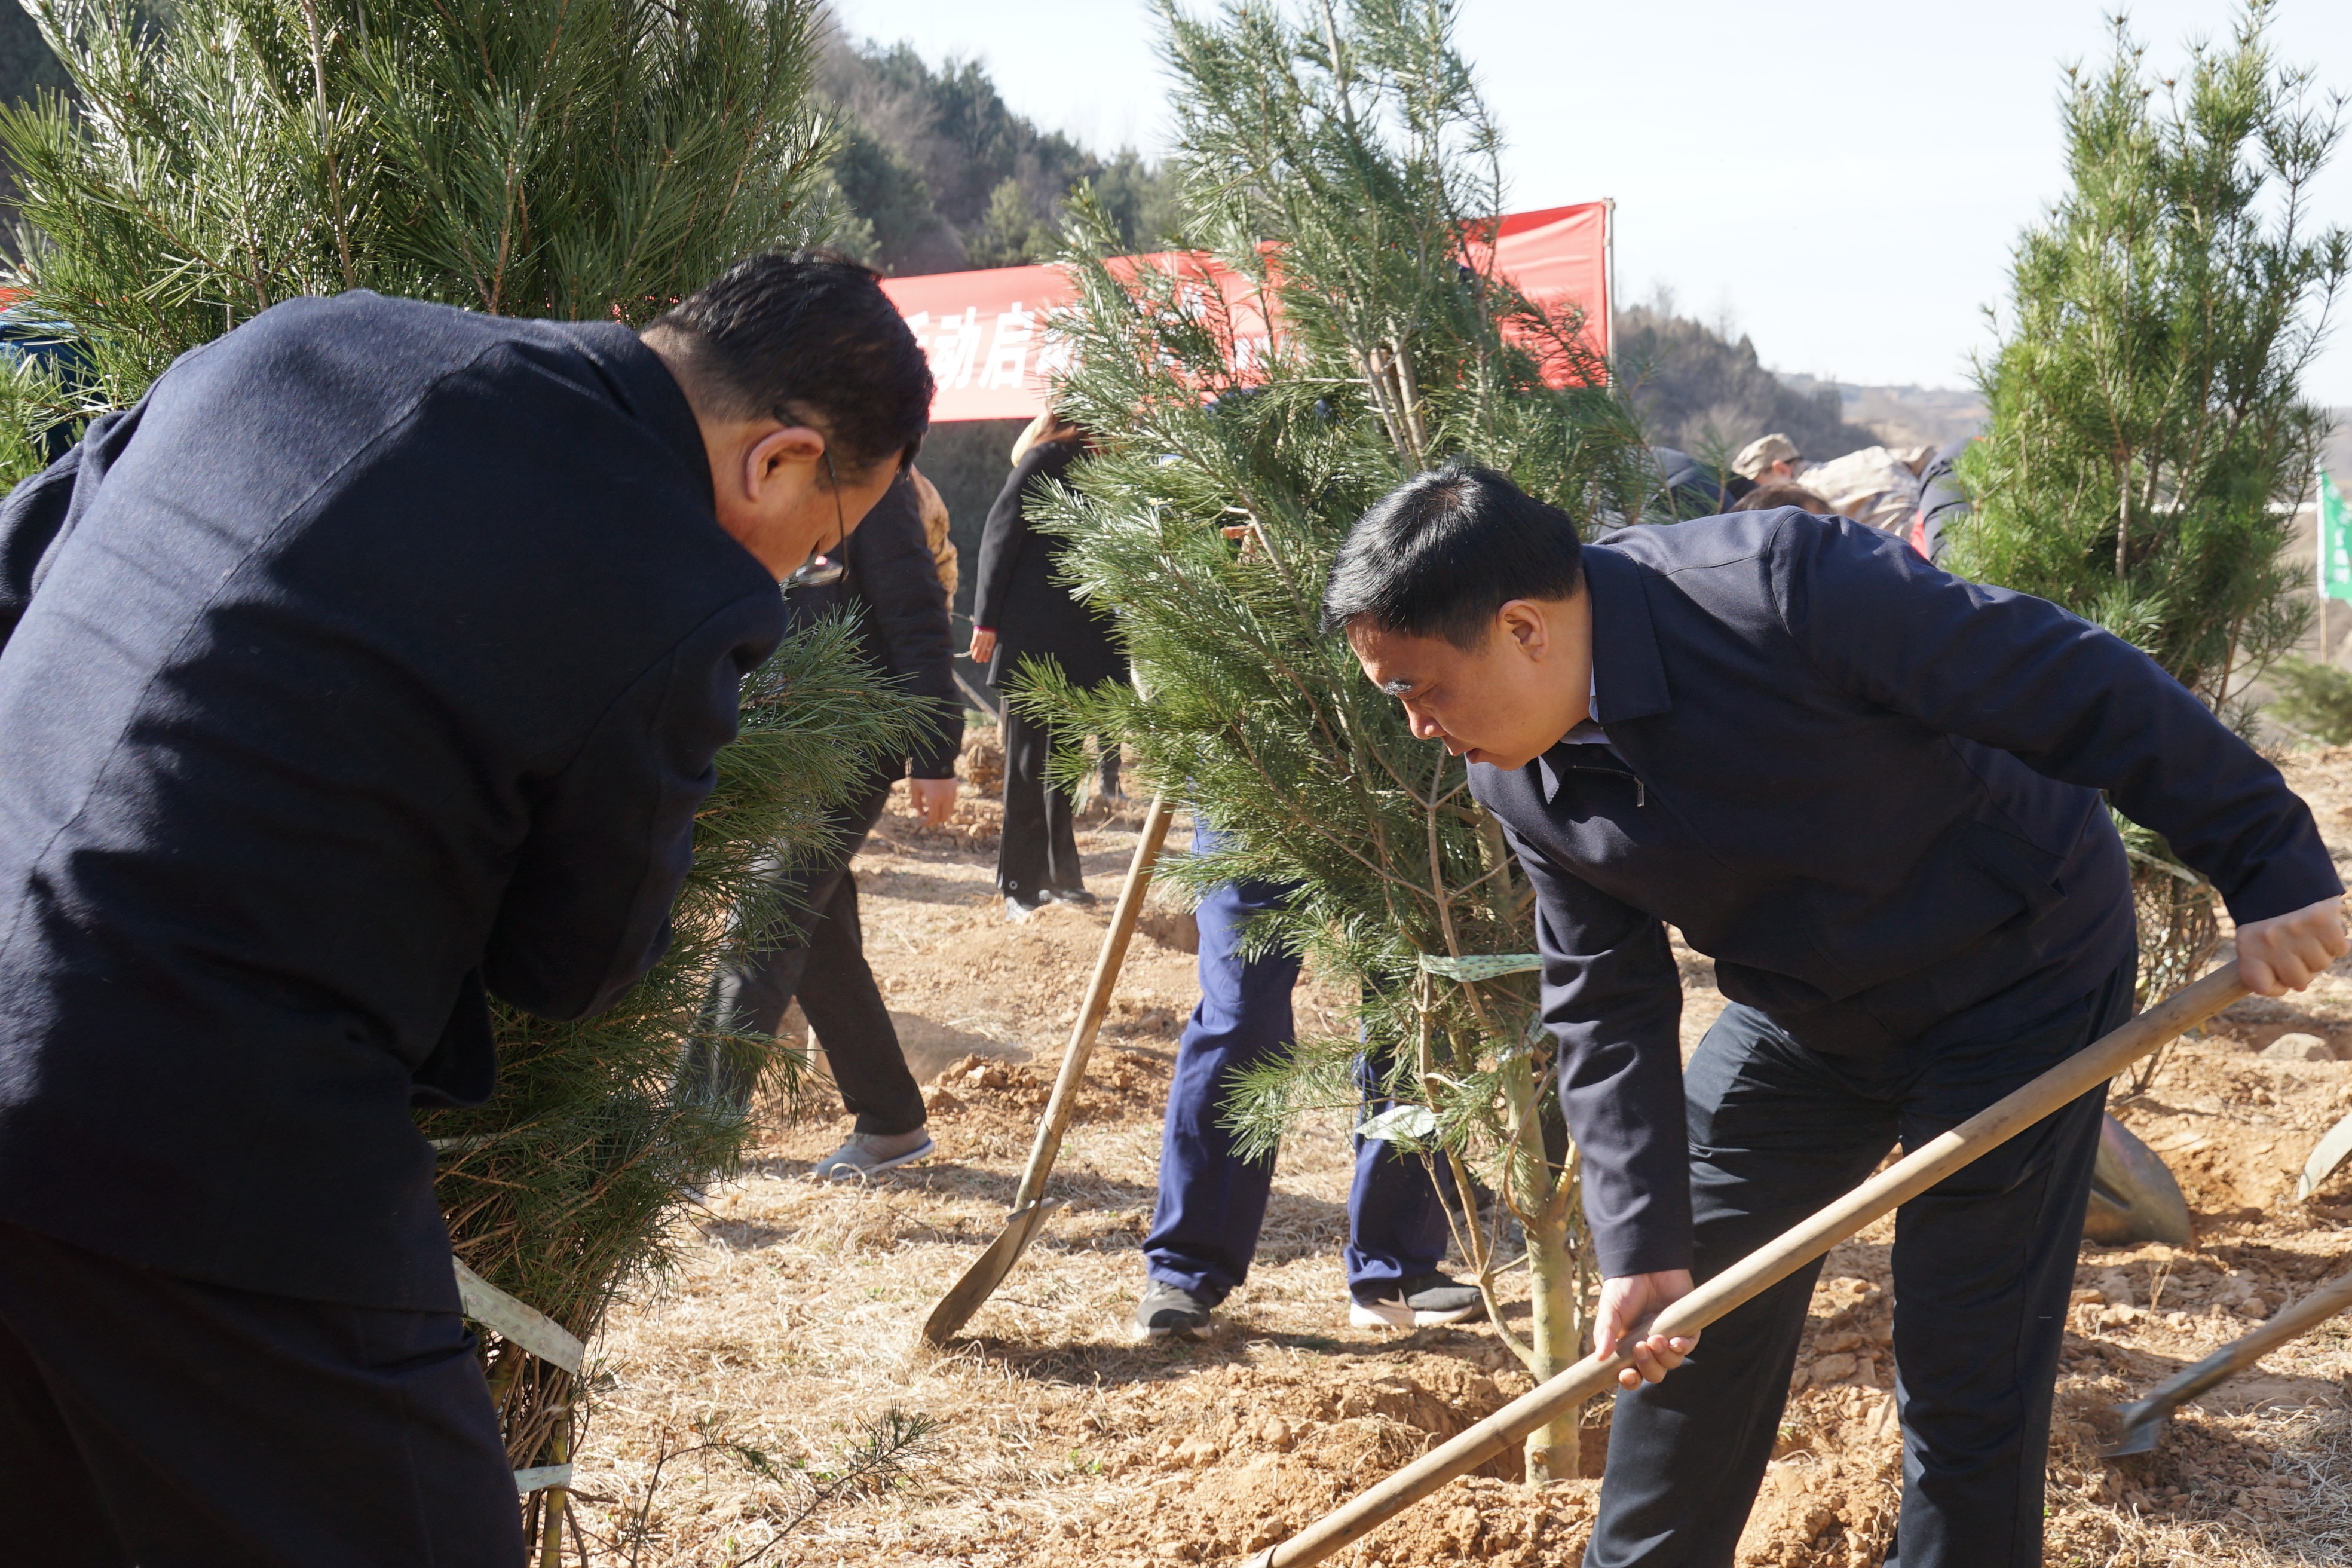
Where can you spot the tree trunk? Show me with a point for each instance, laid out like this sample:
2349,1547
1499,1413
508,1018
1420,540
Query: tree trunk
1556,1334
1556,1330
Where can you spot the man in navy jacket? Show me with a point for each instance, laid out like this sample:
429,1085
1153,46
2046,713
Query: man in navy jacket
1873,793
376,660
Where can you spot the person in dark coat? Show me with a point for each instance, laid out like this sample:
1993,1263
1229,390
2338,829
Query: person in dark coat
1021,609
372,665
1697,489
890,585
1871,793
1943,504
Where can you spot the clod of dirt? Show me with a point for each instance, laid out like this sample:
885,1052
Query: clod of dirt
2298,1047
983,762
1175,928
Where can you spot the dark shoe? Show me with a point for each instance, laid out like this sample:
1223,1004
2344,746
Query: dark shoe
1422,1302
1165,1309
1070,896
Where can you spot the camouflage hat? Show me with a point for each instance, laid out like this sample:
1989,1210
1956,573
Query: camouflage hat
1762,453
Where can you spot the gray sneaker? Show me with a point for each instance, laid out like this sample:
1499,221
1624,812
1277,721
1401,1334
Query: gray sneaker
1168,1310
1422,1302
870,1154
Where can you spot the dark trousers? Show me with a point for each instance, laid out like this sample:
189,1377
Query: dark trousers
1038,852
1212,1201
1982,1265
826,970
153,1420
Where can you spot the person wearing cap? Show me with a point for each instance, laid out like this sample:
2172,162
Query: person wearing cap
1767,460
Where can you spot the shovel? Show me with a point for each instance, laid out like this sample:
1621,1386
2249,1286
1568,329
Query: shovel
1030,1205
1897,1185
2144,1422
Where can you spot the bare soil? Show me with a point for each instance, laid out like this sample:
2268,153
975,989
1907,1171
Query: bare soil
1064,1443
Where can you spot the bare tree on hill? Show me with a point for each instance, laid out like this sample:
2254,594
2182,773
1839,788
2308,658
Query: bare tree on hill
1702,393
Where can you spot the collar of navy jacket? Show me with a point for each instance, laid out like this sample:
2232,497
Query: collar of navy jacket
1637,678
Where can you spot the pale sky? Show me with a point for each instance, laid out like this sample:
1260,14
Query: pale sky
1841,179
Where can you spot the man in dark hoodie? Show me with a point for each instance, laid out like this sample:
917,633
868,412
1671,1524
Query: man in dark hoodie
374,663
1873,793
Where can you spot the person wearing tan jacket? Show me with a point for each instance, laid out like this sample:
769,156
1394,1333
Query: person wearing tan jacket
935,530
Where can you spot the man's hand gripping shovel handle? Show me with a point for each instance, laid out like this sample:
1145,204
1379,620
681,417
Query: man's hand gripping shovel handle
1029,1210
1882,1194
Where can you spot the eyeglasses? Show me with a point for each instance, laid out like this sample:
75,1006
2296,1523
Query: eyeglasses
820,569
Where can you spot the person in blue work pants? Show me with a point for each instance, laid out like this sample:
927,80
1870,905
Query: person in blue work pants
1212,1202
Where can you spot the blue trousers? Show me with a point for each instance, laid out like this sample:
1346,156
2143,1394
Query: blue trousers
1212,1201
1983,1261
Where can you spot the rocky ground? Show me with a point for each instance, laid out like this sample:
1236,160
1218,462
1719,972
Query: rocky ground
729,1401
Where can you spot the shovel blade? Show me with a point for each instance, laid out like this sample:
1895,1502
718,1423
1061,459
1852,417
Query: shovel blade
2143,1423
2134,1197
987,1272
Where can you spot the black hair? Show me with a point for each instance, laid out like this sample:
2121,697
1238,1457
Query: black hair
811,330
1439,554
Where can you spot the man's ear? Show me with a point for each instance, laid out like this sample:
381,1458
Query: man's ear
781,451
1526,624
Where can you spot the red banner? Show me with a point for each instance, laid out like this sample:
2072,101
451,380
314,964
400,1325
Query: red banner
985,332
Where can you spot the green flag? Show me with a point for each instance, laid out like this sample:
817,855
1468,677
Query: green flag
2335,542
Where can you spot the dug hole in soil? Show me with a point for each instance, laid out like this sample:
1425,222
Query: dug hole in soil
792,1317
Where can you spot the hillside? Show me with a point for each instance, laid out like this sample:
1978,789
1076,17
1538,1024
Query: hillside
942,175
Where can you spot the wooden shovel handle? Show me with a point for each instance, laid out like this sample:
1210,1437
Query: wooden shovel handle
1768,1265
1097,1005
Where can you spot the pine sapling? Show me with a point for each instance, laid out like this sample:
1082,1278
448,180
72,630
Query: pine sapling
1342,173
2149,440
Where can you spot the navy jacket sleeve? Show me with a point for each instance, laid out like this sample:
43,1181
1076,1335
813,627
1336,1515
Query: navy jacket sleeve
1613,999
40,511
2067,699
906,610
586,913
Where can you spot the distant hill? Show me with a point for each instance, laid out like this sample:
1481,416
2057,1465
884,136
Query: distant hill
25,62
1707,396
1902,415
26,65
942,175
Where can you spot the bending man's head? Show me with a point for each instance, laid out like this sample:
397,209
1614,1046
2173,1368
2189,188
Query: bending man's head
811,392
1464,597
